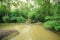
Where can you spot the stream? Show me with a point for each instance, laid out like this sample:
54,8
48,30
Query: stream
30,32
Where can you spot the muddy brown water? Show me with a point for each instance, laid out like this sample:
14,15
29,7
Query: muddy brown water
31,32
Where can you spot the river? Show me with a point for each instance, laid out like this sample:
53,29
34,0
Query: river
30,32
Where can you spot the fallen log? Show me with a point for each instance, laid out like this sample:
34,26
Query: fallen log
7,33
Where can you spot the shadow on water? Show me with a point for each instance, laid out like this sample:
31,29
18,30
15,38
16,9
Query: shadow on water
30,32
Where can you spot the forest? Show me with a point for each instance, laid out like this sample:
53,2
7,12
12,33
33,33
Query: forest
29,19
20,11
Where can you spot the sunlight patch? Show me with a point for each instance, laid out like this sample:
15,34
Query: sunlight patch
51,1
13,7
27,28
16,28
23,0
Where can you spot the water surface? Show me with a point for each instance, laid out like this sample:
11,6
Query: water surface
31,32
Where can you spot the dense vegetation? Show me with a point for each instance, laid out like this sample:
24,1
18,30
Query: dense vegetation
46,11
53,21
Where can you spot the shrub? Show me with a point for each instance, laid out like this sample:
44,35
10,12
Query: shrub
21,19
5,18
53,24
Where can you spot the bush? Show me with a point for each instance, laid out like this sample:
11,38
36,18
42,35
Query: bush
5,18
53,24
21,19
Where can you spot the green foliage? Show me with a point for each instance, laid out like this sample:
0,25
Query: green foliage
53,24
39,11
5,18
52,21
21,19
49,24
